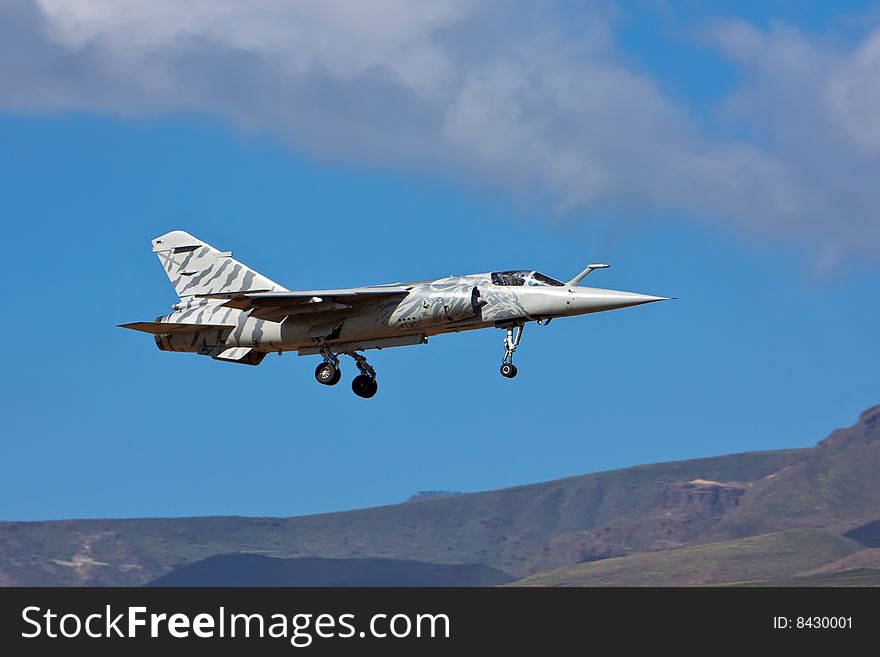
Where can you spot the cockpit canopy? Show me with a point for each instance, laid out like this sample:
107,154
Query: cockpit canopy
521,277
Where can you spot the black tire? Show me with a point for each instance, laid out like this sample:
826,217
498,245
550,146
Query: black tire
374,388
508,370
327,374
364,386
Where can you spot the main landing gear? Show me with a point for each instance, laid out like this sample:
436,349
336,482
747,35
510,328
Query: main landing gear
511,342
329,373
364,384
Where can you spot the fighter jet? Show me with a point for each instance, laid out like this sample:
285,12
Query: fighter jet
232,313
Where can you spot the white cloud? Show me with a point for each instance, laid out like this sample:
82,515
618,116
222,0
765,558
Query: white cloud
813,105
343,37
477,88
854,96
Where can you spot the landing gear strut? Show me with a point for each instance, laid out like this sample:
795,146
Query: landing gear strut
511,342
364,384
328,372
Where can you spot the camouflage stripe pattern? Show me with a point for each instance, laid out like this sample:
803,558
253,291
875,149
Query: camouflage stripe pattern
429,308
194,267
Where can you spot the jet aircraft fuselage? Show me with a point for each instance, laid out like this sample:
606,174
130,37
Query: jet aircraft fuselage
232,313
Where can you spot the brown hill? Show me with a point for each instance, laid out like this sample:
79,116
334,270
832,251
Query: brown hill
518,530
754,517
836,485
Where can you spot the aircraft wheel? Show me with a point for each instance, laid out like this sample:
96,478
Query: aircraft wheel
508,370
328,374
364,386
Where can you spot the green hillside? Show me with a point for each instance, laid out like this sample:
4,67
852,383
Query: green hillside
858,577
769,556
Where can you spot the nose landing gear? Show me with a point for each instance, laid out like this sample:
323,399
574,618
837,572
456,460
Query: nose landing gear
511,342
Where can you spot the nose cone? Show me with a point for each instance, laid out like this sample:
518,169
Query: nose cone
594,299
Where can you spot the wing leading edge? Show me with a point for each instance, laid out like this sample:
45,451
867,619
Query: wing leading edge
274,306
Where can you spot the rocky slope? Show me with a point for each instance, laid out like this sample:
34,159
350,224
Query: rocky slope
711,520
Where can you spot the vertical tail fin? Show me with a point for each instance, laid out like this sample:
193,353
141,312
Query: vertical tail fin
194,267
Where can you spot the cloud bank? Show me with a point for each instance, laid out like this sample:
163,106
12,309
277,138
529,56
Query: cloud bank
517,97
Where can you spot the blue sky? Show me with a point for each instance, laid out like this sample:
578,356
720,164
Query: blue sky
771,342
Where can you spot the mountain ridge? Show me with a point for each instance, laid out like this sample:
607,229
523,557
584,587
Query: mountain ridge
518,530
525,530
